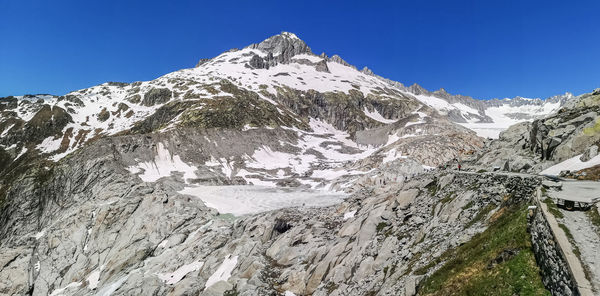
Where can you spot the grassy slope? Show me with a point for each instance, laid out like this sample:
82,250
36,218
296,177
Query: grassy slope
469,269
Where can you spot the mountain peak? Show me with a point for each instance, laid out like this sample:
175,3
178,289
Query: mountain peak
286,43
417,89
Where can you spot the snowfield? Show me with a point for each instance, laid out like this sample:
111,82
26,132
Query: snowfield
571,164
248,199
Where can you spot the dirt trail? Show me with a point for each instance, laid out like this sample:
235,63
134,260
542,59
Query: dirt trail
587,240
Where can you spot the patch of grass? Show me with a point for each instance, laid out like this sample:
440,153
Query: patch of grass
571,239
448,198
482,213
474,186
594,217
424,269
331,286
590,131
232,292
468,269
381,226
468,205
432,187
553,208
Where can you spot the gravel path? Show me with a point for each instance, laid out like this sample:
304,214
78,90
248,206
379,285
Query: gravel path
587,240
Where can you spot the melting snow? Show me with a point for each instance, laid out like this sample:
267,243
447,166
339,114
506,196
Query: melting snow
163,165
392,155
571,164
6,130
21,153
180,273
248,199
223,273
49,145
163,244
349,215
377,116
108,290
60,291
94,278
39,234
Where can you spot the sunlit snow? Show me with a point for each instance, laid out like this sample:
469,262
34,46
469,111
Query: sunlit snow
247,199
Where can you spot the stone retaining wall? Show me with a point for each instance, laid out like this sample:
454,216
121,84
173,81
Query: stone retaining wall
556,274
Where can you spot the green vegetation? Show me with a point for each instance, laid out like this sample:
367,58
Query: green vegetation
482,214
553,208
594,217
331,286
482,265
571,239
589,131
468,205
232,292
432,187
449,197
389,270
381,226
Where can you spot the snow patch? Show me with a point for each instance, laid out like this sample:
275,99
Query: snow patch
177,275
349,215
377,116
94,278
39,234
571,164
164,165
249,199
223,272
61,291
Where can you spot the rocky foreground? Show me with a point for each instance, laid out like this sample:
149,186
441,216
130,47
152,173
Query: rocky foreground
95,229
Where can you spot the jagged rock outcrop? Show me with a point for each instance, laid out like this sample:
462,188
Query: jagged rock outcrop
156,96
367,71
283,46
322,66
337,59
258,63
589,153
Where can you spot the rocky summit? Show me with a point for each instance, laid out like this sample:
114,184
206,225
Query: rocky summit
270,170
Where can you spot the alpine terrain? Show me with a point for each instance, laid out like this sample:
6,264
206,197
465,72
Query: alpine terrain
271,170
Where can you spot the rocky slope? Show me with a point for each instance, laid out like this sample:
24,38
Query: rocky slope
88,231
565,140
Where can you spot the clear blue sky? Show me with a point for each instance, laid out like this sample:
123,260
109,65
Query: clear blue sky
483,49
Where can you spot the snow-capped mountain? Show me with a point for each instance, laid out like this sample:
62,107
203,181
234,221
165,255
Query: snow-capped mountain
334,113
489,117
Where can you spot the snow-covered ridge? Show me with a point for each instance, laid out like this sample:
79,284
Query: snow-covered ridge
488,117
112,108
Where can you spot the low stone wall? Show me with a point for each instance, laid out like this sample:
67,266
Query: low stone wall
556,274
